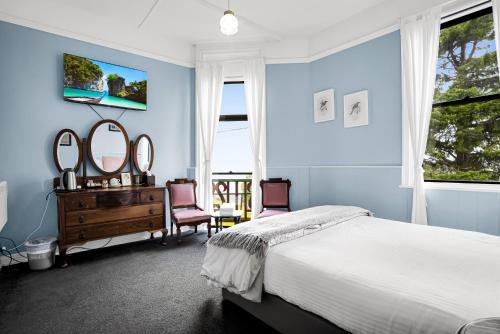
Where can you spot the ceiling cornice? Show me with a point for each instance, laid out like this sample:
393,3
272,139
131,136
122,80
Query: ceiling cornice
274,51
336,49
188,62
90,39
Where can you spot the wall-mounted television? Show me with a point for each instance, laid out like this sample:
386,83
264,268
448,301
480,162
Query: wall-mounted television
91,81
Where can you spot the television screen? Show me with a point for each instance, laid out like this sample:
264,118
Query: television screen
95,82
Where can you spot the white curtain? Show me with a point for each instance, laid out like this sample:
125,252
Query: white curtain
496,21
255,95
209,86
419,52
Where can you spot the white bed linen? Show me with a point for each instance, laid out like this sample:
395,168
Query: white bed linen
371,275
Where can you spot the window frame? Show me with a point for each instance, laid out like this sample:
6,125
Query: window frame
467,100
233,117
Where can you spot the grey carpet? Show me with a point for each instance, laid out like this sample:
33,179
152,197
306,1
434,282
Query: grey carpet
135,288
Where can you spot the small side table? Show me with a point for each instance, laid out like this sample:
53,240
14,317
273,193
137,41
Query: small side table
218,217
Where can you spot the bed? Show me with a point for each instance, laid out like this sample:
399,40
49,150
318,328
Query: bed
371,275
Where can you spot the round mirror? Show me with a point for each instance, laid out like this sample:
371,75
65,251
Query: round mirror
108,147
143,153
67,150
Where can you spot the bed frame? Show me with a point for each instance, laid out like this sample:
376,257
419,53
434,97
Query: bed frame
284,317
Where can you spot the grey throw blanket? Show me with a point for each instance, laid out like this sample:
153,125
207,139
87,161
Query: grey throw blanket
256,236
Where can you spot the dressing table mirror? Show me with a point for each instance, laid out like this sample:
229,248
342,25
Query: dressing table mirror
99,212
67,150
108,147
143,153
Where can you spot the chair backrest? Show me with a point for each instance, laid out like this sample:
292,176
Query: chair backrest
182,193
275,193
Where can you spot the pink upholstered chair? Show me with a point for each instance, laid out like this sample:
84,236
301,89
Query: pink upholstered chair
183,208
275,197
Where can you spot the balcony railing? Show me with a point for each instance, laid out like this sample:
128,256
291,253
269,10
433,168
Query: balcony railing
230,187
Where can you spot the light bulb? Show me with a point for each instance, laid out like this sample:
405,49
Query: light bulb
228,23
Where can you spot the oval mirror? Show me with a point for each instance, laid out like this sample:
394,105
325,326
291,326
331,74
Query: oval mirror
108,147
67,150
143,153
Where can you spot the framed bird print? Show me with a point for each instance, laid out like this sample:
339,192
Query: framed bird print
324,106
356,109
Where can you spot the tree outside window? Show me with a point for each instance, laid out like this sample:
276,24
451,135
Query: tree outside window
464,133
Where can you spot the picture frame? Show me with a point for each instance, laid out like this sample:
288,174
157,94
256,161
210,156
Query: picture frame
126,179
356,109
113,128
65,139
324,106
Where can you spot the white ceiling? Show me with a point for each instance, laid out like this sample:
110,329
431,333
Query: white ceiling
168,29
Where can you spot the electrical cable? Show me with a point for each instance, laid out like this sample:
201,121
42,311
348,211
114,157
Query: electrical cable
10,257
47,200
116,120
16,247
123,112
95,111
88,248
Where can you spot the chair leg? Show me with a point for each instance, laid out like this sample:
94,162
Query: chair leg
209,228
179,234
172,227
196,229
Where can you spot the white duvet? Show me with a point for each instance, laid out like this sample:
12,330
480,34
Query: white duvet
371,275
235,257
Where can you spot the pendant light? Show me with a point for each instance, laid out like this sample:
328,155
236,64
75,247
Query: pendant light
228,22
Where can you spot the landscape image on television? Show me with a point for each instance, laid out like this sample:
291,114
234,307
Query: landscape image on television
95,82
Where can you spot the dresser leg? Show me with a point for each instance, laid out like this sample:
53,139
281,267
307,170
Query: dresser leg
164,233
64,258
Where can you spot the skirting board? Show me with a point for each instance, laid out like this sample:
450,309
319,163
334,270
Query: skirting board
286,318
97,244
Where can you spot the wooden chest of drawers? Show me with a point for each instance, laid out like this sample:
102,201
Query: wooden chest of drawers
104,213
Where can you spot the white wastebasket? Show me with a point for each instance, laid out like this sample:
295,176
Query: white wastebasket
41,252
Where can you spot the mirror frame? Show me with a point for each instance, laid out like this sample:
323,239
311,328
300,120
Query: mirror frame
136,145
56,146
89,147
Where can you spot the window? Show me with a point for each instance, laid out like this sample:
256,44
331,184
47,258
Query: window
232,156
464,134
232,151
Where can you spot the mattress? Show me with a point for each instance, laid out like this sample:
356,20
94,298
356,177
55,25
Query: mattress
371,275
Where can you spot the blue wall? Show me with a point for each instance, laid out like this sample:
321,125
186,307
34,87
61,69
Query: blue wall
328,163
32,111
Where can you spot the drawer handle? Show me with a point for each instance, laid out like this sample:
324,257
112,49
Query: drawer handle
81,219
151,224
151,198
81,236
151,211
81,204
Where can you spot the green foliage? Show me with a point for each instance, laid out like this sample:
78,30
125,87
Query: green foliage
80,72
137,91
464,140
112,77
